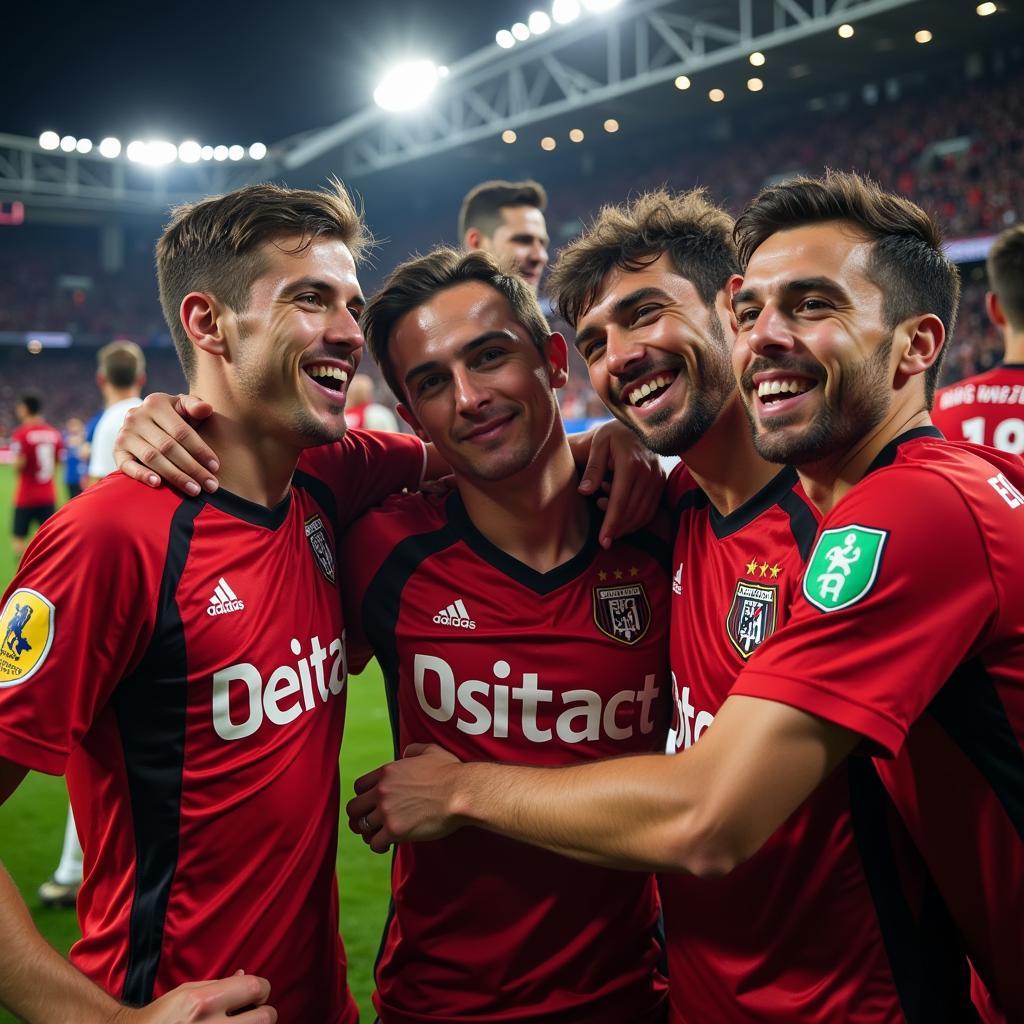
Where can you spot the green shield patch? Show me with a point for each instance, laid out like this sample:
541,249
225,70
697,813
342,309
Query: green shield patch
843,566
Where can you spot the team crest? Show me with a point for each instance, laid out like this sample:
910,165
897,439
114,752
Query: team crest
27,623
752,616
323,553
622,613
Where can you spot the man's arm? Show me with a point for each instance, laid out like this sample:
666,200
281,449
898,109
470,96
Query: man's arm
39,985
703,811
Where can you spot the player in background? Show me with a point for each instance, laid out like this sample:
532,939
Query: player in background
843,927
36,447
190,674
989,407
74,442
362,411
121,376
506,219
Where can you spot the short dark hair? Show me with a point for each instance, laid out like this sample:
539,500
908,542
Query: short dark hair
695,233
907,262
482,206
416,281
122,363
1005,266
214,245
32,401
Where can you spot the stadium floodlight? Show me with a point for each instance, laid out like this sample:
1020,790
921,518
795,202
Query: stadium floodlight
521,31
408,85
136,151
508,136
600,6
922,35
682,82
206,153
257,151
505,39
220,152
576,135
190,151
564,11
845,31
755,84
159,152
611,126
68,143
83,146
547,143
716,95
538,23
236,152
110,147
49,140
757,59
984,10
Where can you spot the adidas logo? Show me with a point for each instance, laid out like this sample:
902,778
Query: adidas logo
677,580
224,600
455,615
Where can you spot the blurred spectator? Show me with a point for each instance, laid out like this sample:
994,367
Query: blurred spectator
361,409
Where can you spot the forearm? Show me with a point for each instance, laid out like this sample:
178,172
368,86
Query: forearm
36,982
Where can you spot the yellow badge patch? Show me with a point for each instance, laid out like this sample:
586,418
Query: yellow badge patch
27,624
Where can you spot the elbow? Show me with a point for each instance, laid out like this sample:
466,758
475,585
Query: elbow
710,849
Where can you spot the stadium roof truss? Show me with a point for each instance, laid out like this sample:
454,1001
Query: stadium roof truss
637,45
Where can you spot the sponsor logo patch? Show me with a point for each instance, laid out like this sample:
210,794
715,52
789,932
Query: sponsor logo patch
323,553
622,613
752,616
844,566
27,622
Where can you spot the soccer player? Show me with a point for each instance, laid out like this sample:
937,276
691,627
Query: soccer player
362,411
832,916
506,219
989,407
36,447
190,674
121,376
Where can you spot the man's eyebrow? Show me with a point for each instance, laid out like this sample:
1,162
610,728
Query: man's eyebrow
467,349
798,285
623,306
318,284
526,236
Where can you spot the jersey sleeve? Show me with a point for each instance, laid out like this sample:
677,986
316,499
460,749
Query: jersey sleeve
365,467
896,594
76,618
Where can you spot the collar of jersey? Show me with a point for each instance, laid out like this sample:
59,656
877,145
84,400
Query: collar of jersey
887,456
248,511
771,494
539,582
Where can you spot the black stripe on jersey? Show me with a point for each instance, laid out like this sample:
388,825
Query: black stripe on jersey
249,511
383,599
320,493
801,522
887,456
969,710
691,499
650,544
771,494
151,705
929,966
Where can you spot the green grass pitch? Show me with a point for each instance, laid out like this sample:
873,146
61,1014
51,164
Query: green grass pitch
32,821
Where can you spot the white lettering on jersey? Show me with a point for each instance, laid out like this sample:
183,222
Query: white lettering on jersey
288,692
688,724
1006,491
479,706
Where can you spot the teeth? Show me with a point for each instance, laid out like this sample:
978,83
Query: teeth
777,387
637,395
329,371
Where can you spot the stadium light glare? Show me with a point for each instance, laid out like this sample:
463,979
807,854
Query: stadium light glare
611,126
538,23
83,146
682,83
110,147
845,31
716,95
757,59
35,346
565,11
755,84
220,153
206,153
600,6
136,151
547,143
236,152
509,136
158,153
68,143
576,135
521,31
922,35
257,151
505,39
984,10
189,151
49,140
407,85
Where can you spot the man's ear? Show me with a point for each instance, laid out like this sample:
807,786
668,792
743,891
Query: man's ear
994,308
473,239
923,338
557,353
201,316
407,415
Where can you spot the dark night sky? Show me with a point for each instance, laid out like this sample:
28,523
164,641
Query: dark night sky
221,71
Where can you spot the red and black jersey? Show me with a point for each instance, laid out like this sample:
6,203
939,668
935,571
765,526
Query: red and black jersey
909,629
42,446
833,919
190,675
984,409
495,661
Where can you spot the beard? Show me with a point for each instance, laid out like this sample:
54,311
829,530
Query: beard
856,407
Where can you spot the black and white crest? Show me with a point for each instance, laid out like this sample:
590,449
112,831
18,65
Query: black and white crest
753,615
623,613
323,553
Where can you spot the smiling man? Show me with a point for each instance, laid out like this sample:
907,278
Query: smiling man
190,675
